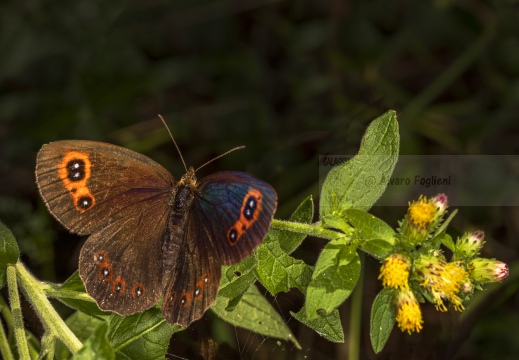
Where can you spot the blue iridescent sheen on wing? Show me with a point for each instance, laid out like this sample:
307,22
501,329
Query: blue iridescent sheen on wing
237,210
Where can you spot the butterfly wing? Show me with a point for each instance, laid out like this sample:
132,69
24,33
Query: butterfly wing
231,214
238,210
88,185
120,197
121,265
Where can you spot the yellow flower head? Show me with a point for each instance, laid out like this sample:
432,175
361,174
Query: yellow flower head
442,280
421,213
395,272
408,313
422,217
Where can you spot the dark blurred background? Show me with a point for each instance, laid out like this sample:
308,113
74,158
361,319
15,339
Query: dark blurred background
291,80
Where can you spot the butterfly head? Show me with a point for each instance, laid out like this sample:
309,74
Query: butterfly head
189,178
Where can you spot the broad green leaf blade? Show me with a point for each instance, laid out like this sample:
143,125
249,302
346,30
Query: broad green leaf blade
68,292
382,319
289,241
278,271
327,325
236,279
359,182
9,251
122,331
336,273
255,313
378,238
97,346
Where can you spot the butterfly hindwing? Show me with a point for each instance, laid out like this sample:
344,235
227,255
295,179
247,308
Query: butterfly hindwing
193,284
88,185
121,265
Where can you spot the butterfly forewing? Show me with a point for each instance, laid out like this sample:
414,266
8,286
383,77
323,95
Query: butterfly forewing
238,210
88,185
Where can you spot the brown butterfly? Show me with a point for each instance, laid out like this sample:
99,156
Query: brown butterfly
150,235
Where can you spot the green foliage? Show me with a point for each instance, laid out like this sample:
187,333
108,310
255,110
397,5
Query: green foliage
9,251
382,319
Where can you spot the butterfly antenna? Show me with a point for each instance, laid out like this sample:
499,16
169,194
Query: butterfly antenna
174,142
219,156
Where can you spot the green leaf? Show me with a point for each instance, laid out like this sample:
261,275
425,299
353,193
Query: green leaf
359,182
379,237
446,240
72,287
288,240
9,251
445,224
382,319
327,325
97,346
236,279
83,326
255,313
149,329
336,222
278,271
336,273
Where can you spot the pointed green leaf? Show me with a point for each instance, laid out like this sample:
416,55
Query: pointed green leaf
336,273
69,291
327,325
97,346
255,313
378,237
359,182
382,319
445,224
236,279
9,251
278,271
446,240
288,240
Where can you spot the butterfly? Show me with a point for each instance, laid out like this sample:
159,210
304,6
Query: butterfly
151,236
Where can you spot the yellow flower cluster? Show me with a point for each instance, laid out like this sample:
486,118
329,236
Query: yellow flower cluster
395,272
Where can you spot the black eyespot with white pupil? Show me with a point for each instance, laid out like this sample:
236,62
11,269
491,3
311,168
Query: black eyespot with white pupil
138,292
105,272
197,291
76,170
84,202
118,287
183,300
250,207
233,235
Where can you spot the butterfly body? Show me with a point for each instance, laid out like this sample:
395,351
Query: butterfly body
151,236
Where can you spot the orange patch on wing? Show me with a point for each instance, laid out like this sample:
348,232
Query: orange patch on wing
243,222
78,189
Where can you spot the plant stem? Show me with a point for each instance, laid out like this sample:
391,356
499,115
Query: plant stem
307,229
46,312
16,309
355,316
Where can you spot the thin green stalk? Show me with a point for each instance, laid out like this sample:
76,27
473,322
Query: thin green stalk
355,316
16,310
51,320
5,350
308,229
